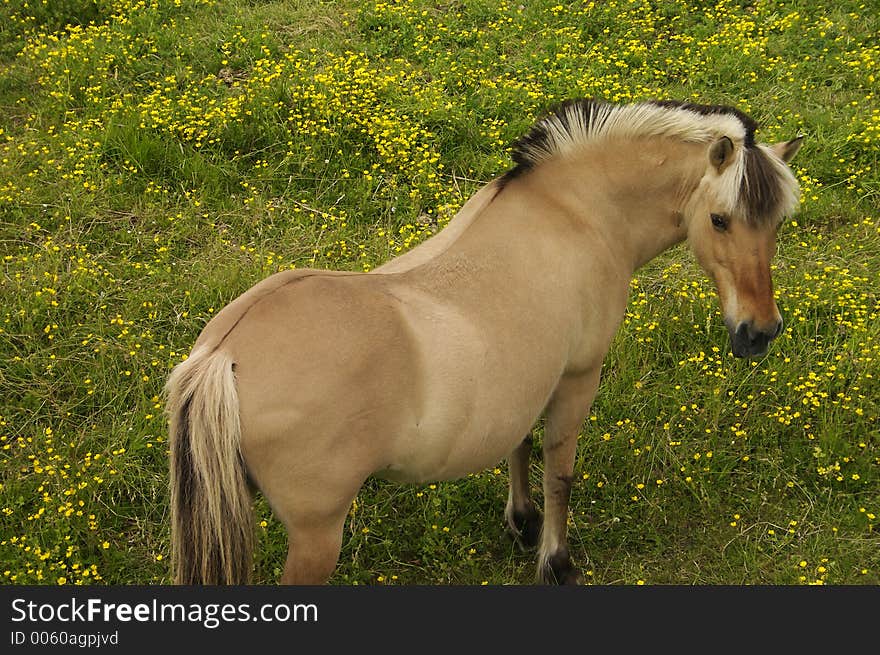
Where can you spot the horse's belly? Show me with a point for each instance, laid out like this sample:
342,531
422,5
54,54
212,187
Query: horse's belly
480,452
464,432
453,456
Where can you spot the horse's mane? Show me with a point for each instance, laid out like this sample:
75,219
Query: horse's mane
760,186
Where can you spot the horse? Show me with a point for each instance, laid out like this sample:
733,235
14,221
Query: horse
437,363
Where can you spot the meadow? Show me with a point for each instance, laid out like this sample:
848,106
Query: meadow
158,157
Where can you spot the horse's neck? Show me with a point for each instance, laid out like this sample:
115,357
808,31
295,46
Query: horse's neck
620,204
630,196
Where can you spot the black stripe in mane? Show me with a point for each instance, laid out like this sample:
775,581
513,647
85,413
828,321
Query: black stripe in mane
538,138
709,110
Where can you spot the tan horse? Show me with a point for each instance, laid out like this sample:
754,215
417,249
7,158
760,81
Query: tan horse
436,364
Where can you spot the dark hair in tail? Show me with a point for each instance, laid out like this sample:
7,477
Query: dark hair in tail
212,522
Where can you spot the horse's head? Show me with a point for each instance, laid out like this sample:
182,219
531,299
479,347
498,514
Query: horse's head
732,220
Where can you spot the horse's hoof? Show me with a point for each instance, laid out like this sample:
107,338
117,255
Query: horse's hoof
559,570
572,577
525,528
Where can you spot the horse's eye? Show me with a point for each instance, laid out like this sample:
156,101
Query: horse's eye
719,222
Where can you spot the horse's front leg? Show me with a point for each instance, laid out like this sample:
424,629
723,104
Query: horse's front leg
523,517
565,415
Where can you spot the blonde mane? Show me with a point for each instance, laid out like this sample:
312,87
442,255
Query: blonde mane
757,184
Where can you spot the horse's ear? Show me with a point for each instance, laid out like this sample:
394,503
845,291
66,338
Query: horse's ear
786,150
720,153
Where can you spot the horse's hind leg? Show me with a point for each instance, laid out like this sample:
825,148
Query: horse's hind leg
523,518
314,516
312,502
313,551
564,417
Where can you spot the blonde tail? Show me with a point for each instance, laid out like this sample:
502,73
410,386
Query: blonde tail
212,522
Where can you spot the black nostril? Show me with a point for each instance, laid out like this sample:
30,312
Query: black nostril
745,334
779,326
749,333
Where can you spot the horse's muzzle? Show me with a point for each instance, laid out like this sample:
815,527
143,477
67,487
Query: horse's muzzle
748,341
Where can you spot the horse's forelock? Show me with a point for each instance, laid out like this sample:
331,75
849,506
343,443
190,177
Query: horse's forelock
768,189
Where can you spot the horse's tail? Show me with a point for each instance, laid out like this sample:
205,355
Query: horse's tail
212,522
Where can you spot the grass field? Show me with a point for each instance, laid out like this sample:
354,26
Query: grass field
158,157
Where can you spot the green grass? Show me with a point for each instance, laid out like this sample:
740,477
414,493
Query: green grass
157,158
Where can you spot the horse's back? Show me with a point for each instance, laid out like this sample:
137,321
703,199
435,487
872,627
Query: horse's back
219,327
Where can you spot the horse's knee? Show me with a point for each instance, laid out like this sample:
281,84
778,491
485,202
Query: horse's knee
557,493
558,488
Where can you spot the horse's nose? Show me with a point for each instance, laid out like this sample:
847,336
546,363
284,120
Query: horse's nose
748,340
